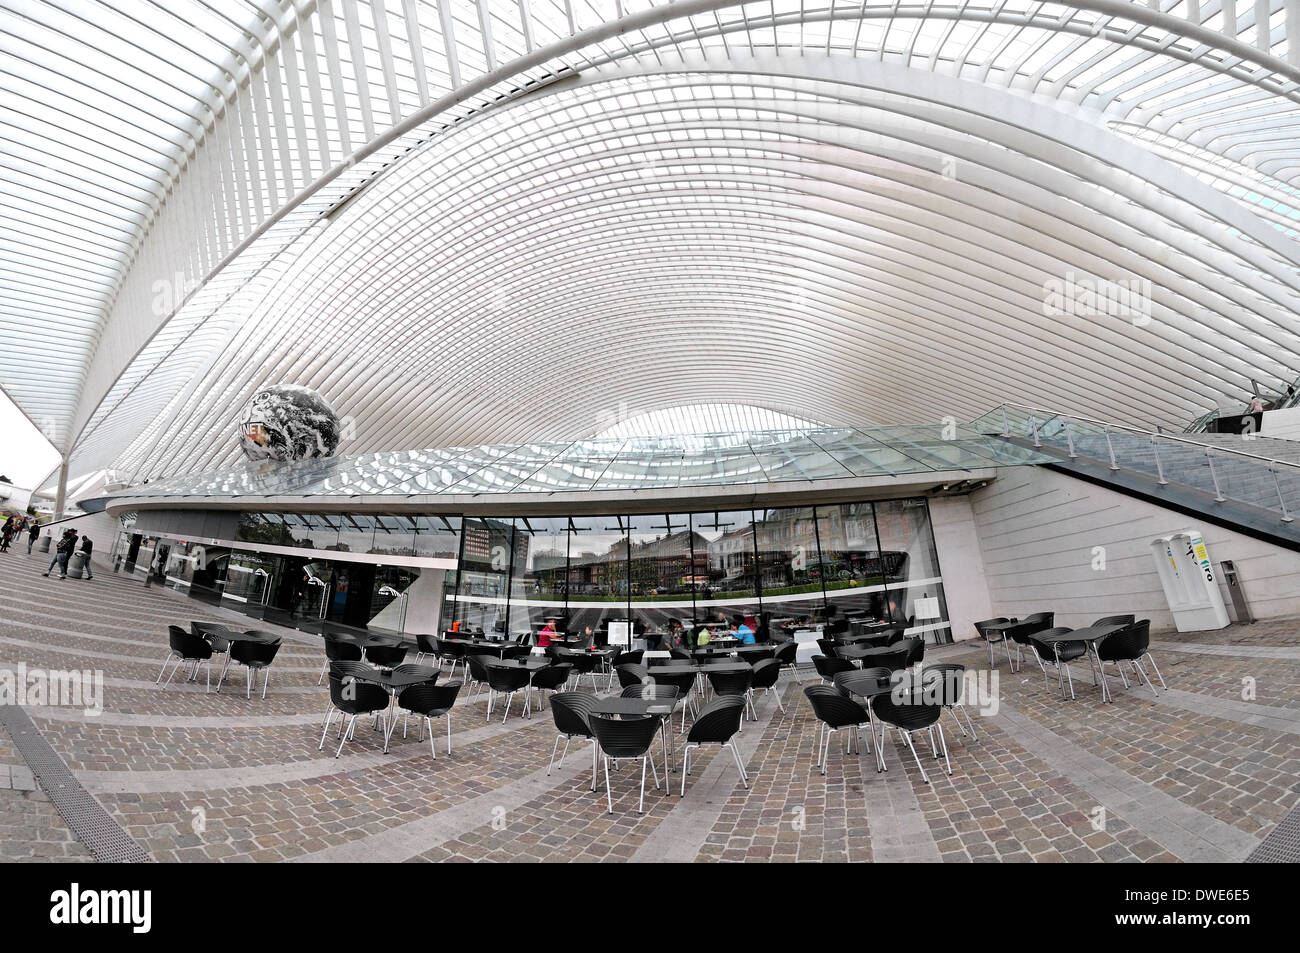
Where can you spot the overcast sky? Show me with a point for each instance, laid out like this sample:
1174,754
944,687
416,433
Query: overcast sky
25,455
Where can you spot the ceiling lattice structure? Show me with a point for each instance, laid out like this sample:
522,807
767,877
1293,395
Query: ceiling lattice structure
485,221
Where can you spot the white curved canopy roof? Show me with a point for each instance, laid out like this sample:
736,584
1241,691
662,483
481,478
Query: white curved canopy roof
484,221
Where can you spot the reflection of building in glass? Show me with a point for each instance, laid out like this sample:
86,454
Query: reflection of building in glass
731,558
668,565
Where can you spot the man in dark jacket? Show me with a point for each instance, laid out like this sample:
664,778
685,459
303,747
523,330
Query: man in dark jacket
33,531
86,546
67,545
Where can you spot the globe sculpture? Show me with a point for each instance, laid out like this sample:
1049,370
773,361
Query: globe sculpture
288,422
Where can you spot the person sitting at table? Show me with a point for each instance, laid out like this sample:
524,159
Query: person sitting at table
702,636
547,633
743,632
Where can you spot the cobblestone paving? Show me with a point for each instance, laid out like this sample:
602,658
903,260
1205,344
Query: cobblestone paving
195,776
30,829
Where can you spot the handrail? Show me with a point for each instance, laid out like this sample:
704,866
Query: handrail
1107,425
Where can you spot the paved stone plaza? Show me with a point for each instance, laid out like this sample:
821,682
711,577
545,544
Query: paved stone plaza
1199,774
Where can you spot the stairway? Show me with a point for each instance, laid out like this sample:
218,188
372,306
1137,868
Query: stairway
1251,485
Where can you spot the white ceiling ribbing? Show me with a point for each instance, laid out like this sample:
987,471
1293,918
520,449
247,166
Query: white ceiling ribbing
184,140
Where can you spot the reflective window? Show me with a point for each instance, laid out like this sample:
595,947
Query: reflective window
598,590
852,563
731,586
250,577
356,533
434,536
915,590
540,581
789,562
482,586
663,567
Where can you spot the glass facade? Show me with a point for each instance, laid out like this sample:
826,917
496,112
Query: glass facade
615,576
612,577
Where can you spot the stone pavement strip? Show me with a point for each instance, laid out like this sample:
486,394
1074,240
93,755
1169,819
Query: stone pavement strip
1187,833
408,840
899,830
680,835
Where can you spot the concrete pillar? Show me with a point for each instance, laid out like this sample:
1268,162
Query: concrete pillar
63,489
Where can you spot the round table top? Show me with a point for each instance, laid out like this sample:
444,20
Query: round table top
1089,634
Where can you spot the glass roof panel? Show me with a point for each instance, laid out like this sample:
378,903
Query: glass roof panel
602,464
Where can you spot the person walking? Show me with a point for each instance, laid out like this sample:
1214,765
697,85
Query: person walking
6,535
62,553
33,531
87,545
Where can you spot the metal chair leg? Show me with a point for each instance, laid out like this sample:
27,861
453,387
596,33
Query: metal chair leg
1152,659
608,795
346,734
943,743
924,777
966,715
740,765
329,717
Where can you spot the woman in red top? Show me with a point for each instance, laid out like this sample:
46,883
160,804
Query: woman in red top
544,636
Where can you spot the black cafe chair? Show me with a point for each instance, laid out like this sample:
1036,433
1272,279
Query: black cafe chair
338,651
787,656
1114,620
387,656
1059,655
684,683
571,711
625,739
951,677
476,675
427,701
186,647
583,662
631,674
426,644
504,680
735,684
828,667
351,698
836,712
253,656
992,638
1131,644
1019,635
453,652
909,717
551,679
766,672
717,724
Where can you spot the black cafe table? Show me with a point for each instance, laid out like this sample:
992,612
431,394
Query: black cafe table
1090,637
637,707
365,640
1000,628
867,690
484,646
217,636
863,654
394,681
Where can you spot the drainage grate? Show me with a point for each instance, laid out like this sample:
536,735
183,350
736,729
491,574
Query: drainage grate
1282,845
92,825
